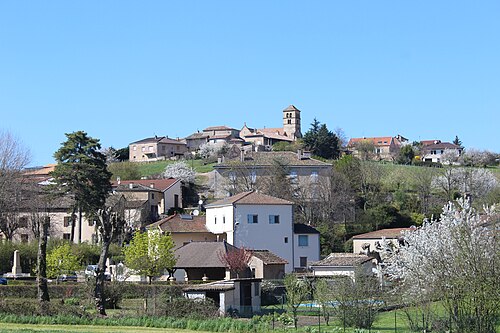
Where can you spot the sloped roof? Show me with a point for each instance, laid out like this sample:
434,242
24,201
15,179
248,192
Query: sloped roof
291,108
301,228
180,224
250,198
197,135
219,128
134,204
159,139
268,258
40,171
158,184
267,159
211,286
441,145
377,141
202,254
378,234
342,260
131,187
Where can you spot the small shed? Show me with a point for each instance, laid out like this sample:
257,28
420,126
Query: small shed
266,265
237,295
343,264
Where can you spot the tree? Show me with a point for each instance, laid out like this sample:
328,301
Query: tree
321,142
406,155
150,253
180,170
454,259
323,296
81,172
61,260
122,154
297,291
14,156
288,146
366,149
236,259
457,141
110,223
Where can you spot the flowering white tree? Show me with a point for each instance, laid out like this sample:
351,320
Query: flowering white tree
180,170
455,259
211,149
474,182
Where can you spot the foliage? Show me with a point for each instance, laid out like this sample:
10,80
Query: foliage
323,296
297,291
406,155
212,149
288,146
366,149
150,253
180,170
81,171
122,154
61,260
236,259
125,170
321,142
358,299
454,259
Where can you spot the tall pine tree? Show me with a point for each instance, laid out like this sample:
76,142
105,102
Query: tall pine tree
322,142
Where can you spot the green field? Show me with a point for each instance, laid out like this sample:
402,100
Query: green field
7,327
154,168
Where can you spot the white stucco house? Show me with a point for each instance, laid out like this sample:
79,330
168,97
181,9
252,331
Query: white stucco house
254,221
306,245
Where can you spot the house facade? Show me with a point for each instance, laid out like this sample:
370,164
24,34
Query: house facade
252,169
434,150
384,148
155,149
306,244
254,221
370,241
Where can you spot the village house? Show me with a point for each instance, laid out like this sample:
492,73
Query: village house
370,241
156,148
343,264
434,150
251,169
376,148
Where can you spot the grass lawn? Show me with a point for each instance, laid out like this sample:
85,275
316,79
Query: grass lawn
154,168
7,327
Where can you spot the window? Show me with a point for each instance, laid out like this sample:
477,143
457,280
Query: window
303,261
289,121
143,148
24,238
90,223
23,222
134,148
252,218
303,240
152,195
215,219
286,240
67,221
223,219
150,148
274,219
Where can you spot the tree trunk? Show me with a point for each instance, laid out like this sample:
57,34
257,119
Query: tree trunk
43,291
73,223
79,225
99,281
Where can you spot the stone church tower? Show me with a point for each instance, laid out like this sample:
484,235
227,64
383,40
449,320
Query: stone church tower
291,122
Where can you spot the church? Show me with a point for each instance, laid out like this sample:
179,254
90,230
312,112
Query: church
268,136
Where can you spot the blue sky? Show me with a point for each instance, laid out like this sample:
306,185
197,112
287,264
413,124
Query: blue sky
126,70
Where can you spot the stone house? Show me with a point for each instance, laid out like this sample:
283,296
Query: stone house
156,148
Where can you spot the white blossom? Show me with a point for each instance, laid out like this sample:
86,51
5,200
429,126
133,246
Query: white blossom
180,170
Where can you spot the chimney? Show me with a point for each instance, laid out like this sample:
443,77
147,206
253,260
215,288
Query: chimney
118,180
152,185
131,185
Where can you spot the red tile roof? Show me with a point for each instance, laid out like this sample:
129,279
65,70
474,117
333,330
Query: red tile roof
181,224
387,233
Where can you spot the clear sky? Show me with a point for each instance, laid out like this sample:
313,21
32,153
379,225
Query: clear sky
126,70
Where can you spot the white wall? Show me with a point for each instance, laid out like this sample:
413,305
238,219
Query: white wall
168,196
215,221
263,235
311,251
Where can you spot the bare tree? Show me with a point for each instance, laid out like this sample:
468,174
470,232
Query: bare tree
14,156
235,259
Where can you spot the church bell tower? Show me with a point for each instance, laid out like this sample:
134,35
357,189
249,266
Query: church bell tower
291,122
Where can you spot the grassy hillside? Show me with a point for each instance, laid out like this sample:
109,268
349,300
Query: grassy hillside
153,168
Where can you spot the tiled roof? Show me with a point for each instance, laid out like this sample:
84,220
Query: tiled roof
377,141
132,187
342,260
301,228
159,139
387,233
197,135
218,128
42,171
181,224
441,145
220,136
250,198
291,108
158,184
267,159
202,254
268,258
429,142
